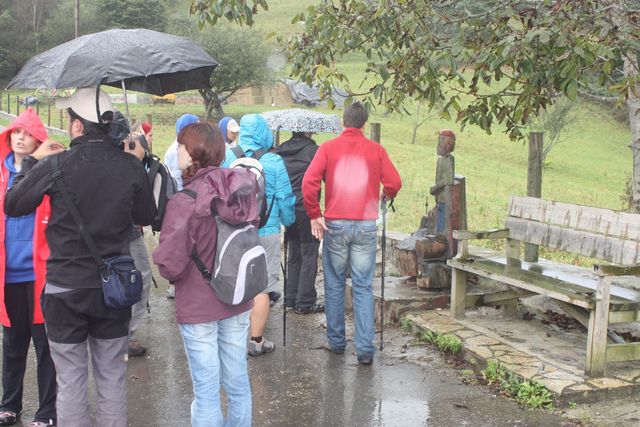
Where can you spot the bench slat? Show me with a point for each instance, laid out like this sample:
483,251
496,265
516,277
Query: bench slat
623,352
599,246
621,225
562,291
588,280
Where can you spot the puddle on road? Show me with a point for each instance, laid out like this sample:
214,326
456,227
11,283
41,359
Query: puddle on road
407,412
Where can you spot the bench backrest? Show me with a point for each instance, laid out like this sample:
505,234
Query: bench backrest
593,232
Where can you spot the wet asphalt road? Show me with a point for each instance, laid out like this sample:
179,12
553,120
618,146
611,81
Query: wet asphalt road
301,385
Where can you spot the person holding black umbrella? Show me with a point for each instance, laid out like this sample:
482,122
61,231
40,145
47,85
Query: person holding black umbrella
109,188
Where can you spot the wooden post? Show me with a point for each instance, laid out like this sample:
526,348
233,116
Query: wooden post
534,183
17,105
38,108
597,330
375,132
49,113
76,20
458,293
8,103
61,127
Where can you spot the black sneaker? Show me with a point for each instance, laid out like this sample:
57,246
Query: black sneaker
365,359
135,349
273,297
315,308
8,418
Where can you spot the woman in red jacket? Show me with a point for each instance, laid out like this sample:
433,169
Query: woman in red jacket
22,277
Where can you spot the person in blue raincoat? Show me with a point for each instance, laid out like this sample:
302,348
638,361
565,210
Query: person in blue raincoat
255,136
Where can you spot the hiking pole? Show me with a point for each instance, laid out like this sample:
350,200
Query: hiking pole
383,249
383,244
283,266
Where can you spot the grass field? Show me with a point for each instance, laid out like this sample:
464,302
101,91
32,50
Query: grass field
590,167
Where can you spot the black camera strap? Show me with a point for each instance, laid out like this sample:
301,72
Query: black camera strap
58,180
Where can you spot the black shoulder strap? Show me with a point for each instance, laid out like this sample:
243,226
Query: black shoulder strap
154,167
189,193
206,273
73,210
258,154
238,151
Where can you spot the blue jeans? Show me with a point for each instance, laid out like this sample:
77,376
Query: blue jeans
349,243
217,353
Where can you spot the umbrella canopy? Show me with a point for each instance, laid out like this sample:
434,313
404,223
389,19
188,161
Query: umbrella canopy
300,120
145,60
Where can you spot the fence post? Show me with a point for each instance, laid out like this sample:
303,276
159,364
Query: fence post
49,113
61,127
375,132
17,105
534,183
38,108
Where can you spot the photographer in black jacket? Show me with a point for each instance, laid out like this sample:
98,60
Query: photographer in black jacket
302,262
109,188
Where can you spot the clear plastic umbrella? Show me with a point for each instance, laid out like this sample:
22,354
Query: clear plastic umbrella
301,120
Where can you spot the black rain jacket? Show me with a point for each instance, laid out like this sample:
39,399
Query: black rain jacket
297,154
109,188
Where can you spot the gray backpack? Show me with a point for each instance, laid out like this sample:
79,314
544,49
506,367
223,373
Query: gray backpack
239,270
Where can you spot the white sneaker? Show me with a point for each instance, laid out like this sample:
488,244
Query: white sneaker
171,292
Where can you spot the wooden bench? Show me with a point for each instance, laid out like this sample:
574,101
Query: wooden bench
596,302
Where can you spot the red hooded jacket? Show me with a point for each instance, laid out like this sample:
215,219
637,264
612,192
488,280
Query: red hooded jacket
29,121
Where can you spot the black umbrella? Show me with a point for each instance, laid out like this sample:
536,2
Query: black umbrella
142,60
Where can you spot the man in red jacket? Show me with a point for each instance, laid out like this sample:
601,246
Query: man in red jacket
353,167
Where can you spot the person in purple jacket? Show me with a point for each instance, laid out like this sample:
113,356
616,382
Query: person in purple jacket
214,334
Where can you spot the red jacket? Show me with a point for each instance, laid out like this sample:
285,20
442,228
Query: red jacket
353,167
29,121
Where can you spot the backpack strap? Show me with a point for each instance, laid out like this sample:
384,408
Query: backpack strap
58,181
206,273
238,151
154,167
189,192
258,154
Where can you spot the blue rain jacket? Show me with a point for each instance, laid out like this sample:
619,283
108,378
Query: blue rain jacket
255,135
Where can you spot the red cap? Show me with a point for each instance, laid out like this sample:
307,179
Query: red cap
146,127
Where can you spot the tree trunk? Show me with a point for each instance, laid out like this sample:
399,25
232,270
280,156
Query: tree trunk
211,102
633,104
621,20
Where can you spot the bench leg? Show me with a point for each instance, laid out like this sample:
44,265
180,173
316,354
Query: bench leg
510,308
597,333
458,293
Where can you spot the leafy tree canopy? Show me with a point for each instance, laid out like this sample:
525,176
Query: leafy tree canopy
488,62
242,55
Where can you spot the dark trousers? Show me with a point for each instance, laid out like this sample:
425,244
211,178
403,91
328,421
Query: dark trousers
18,300
302,263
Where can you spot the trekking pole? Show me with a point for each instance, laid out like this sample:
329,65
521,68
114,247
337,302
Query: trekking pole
284,292
383,244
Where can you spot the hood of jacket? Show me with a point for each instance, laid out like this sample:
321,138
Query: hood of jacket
222,125
27,120
294,145
229,192
255,134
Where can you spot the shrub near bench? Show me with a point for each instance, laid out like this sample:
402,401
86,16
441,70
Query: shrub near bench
596,302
